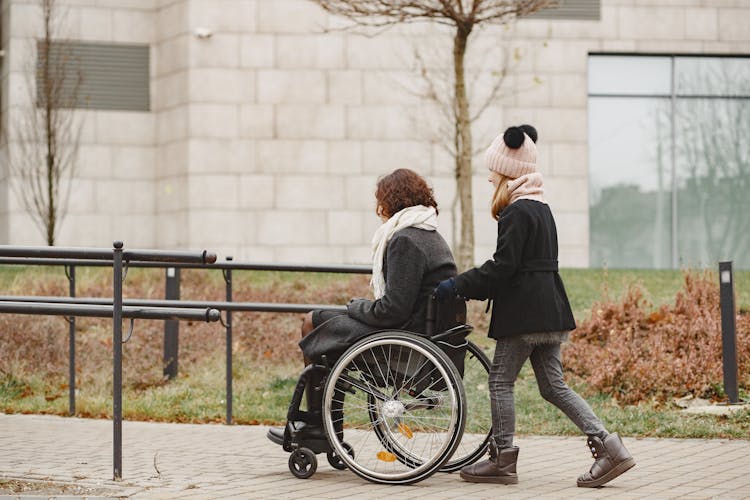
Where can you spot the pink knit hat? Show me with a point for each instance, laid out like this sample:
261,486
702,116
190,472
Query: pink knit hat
513,154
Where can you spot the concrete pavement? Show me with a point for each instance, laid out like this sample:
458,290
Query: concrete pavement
72,456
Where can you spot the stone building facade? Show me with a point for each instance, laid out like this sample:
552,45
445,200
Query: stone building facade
268,126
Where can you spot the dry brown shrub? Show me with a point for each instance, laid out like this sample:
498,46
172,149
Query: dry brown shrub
38,345
273,337
636,353
627,348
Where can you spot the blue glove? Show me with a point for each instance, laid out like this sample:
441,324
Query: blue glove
445,290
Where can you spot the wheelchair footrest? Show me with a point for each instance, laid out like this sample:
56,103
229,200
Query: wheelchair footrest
303,434
306,417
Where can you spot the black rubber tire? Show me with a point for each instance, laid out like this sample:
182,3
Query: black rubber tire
303,463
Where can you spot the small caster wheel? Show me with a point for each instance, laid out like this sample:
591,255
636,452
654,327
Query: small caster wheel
335,460
303,463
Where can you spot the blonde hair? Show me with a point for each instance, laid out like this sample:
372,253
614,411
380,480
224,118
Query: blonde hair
501,198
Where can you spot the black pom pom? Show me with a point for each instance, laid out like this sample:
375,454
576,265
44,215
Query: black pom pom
513,137
530,131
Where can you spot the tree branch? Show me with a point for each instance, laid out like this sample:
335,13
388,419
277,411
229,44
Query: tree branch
385,12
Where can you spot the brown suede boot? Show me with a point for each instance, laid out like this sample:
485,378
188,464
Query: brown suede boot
500,468
610,460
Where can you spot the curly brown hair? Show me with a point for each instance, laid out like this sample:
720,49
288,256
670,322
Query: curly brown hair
400,189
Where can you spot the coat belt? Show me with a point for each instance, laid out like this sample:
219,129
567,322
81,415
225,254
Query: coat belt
539,266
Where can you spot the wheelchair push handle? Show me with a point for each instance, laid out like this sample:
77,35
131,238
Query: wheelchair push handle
431,315
444,315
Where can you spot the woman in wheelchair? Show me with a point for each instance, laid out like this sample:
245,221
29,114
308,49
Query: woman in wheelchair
409,259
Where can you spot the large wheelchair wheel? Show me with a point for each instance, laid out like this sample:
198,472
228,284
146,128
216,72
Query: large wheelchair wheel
398,401
478,431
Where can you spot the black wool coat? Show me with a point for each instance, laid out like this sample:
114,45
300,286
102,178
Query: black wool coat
522,278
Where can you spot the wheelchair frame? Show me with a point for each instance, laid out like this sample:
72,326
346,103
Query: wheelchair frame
405,396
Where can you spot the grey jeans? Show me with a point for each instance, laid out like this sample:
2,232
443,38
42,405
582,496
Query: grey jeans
510,355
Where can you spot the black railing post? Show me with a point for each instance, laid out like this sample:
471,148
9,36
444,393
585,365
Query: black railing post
172,326
728,332
71,272
228,280
117,358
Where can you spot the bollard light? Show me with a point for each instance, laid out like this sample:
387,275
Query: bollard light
728,332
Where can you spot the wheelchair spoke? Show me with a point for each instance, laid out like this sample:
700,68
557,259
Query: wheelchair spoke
383,376
364,387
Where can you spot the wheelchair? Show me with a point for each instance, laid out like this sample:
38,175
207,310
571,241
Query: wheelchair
393,408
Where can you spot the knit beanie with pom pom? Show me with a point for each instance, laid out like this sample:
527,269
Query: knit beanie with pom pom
513,154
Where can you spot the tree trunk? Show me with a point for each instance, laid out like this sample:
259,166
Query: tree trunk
50,146
465,247
50,132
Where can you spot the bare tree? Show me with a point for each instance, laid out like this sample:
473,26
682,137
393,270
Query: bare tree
484,86
463,17
44,142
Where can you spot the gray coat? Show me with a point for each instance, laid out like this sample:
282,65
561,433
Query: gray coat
416,260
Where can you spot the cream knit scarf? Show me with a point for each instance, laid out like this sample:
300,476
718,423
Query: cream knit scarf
527,187
417,216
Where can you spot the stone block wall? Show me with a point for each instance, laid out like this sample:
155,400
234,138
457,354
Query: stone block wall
112,195
265,139
4,109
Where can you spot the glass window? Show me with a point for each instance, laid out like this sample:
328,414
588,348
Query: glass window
630,75
669,176
629,183
712,76
713,181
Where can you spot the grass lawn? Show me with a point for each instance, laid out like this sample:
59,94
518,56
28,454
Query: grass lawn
262,393
262,388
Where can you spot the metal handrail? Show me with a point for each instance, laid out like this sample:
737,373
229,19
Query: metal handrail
57,252
117,258
170,344
237,266
106,310
157,303
106,256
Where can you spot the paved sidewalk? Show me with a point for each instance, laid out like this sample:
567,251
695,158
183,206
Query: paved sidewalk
217,461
